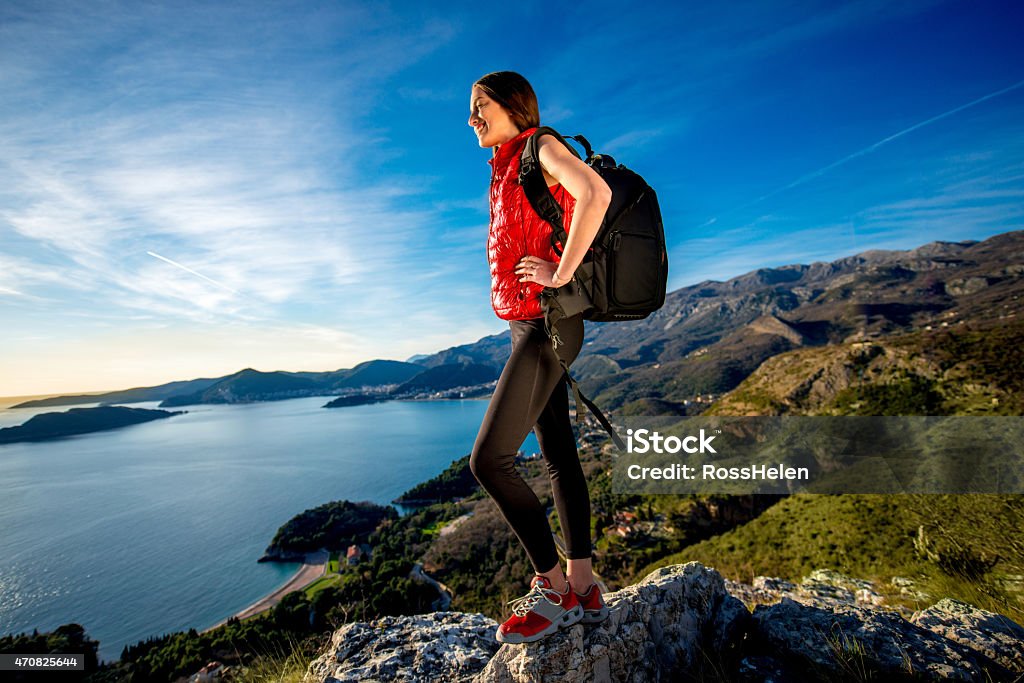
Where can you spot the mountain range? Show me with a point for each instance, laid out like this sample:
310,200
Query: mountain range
705,341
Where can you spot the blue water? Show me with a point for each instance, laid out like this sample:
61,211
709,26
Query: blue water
156,528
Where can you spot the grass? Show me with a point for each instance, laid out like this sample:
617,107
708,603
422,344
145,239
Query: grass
873,537
285,663
321,583
851,657
435,528
858,535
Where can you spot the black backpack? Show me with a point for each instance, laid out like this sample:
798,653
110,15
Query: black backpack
625,274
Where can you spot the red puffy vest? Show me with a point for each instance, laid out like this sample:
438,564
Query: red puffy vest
517,231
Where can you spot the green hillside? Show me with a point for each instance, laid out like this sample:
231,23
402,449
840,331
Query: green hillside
965,547
973,368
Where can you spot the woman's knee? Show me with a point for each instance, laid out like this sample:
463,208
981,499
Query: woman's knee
484,463
478,464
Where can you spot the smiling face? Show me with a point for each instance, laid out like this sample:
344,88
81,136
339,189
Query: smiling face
490,120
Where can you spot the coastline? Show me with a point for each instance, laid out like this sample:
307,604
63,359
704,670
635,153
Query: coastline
314,567
222,440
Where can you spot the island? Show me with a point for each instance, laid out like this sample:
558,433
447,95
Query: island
356,400
80,421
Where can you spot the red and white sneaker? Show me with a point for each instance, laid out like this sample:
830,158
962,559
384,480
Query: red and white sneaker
594,609
539,613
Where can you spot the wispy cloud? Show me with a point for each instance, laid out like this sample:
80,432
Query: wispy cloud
189,270
632,140
209,164
867,150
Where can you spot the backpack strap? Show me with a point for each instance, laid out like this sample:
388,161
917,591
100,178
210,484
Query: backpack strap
586,148
616,439
582,400
553,314
531,177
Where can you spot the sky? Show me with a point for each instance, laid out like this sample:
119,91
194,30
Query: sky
190,189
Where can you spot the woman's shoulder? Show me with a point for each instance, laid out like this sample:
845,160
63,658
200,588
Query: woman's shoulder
548,151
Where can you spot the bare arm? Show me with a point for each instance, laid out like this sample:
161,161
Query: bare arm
592,196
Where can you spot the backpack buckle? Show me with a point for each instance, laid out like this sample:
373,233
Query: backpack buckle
525,170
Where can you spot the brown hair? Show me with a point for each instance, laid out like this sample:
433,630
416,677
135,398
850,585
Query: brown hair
515,95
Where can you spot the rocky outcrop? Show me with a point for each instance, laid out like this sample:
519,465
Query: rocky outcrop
993,635
848,639
967,285
442,646
657,630
829,621
770,324
822,588
685,622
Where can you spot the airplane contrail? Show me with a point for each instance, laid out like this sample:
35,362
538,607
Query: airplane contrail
870,148
189,270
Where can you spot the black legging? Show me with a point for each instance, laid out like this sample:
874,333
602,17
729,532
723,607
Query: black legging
531,394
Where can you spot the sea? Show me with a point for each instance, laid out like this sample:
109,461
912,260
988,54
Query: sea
157,527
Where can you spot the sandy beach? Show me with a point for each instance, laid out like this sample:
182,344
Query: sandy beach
312,569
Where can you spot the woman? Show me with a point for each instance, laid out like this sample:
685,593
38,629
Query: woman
530,393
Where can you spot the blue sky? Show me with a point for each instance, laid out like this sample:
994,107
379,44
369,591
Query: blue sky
190,189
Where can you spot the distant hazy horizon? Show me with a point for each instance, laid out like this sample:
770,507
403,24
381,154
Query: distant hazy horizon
7,401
